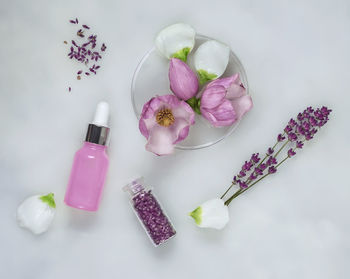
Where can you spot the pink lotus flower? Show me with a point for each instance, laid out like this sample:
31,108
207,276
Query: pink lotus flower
165,121
224,101
183,81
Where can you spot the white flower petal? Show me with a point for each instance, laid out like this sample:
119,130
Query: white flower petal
35,214
175,38
211,214
212,57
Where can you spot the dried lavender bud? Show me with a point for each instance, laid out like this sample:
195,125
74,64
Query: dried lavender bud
85,53
65,42
78,77
69,89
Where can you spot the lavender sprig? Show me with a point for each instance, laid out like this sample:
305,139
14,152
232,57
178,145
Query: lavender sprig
296,132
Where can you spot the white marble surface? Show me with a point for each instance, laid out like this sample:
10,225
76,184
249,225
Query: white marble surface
293,225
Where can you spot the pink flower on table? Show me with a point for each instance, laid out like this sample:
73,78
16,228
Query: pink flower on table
224,101
183,81
165,121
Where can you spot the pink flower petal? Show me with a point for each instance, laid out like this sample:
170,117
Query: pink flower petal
180,129
225,82
160,141
235,91
213,96
184,111
183,81
242,105
222,115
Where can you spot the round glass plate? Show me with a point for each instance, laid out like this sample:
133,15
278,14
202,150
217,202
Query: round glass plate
151,79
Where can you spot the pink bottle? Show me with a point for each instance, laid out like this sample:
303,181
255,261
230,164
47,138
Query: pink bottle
90,164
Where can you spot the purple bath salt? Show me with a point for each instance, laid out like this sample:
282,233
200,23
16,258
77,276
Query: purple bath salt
150,213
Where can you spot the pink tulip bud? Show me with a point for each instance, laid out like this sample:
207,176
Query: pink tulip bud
224,101
183,81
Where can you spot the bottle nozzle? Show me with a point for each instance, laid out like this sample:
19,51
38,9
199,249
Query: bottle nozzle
101,114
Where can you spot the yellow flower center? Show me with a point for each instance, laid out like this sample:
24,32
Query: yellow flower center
165,117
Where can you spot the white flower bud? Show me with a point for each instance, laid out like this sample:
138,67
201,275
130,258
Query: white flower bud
36,213
210,60
211,214
176,40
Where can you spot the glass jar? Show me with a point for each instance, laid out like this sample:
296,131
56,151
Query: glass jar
149,212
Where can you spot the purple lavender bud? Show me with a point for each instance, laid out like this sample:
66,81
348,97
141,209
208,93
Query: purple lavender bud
292,122
292,137
309,109
263,166
306,125
291,152
258,171
72,21
280,138
76,20
85,26
235,180
288,129
300,117
313,121
325,111
255,158
241,173
271,161
243,185
299,144
300,130
272,169
309,136
252,176
247,166
270,151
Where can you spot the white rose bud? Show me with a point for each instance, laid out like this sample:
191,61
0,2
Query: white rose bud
176,41
211,214
36,213
210,60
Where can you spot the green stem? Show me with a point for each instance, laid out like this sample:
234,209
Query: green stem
228,189
283,146
241,191
235,195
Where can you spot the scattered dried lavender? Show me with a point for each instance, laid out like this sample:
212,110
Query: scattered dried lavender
151,214
84,51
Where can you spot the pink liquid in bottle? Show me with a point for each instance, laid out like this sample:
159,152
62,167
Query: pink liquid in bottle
90,165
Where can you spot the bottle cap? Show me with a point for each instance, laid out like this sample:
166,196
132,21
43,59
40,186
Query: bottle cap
98,130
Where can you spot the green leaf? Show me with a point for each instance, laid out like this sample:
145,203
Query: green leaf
204,76
197,215
195,104
182,54
49,200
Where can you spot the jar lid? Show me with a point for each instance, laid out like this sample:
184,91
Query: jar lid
135,186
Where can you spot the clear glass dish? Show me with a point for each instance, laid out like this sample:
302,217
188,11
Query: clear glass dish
151,78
